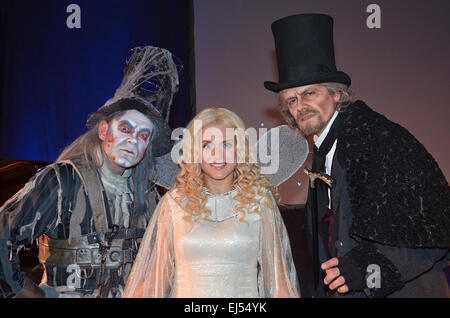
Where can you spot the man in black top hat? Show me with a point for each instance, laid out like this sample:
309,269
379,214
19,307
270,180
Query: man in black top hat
383,228
90,208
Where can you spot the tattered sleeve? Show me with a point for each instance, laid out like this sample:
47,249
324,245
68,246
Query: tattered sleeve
34,210
277,276
153,269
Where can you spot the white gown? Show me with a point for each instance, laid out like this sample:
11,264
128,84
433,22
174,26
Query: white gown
217,257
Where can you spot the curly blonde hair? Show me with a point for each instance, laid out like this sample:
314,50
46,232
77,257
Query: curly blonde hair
247,175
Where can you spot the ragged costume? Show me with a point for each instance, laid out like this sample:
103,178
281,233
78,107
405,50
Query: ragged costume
88,220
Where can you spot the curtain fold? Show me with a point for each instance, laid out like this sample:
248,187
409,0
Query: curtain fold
52,77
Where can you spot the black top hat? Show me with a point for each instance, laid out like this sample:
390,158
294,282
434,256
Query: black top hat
305,52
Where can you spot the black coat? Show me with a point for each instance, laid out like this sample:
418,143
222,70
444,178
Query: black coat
391,208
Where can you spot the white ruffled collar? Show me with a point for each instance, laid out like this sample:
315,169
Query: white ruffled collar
222,205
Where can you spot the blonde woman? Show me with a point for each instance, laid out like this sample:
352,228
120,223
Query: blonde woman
218,231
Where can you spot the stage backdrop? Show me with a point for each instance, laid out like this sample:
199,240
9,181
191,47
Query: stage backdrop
58,63
400,69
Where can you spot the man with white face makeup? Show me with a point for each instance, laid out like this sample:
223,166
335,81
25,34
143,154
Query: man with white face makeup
90,208
125,140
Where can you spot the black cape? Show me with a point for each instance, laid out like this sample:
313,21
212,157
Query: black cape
398,194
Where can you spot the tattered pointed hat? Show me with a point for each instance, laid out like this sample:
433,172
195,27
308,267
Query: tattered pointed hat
149,83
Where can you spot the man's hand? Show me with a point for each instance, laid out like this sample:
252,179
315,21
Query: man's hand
334,276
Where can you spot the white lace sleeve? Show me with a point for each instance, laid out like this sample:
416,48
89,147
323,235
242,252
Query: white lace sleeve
153,269
277,276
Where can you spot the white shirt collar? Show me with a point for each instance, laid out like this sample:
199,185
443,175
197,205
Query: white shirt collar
318,140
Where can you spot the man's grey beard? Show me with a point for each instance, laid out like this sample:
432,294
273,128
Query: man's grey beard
309,130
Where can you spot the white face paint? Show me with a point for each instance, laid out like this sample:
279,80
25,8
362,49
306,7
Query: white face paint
127,139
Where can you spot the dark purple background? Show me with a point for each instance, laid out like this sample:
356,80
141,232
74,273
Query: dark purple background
401,70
